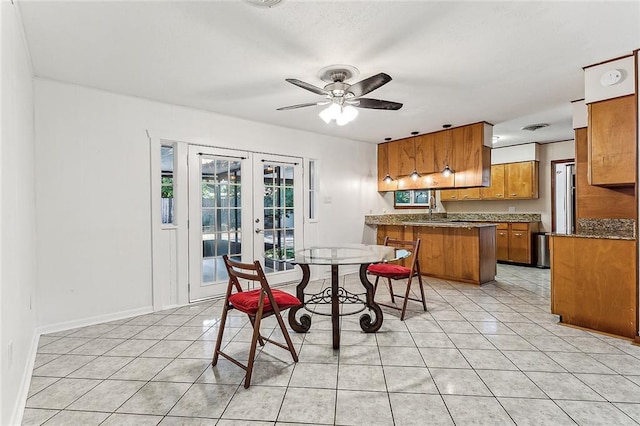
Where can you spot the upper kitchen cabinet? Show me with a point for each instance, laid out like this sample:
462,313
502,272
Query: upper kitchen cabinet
401,157
612,142
383,169
468,155
465,149
521,180
611,124
496,190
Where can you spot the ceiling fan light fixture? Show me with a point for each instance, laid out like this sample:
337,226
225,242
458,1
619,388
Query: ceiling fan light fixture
349,113
447,171
332,112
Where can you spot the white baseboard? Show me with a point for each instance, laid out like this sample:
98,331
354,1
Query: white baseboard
23,392
83,322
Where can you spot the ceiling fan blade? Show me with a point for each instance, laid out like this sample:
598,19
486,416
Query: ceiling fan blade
309,87
377,104
299,106
369,84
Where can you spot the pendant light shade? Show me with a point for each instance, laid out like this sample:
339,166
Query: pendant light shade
414,175
447,171
387,178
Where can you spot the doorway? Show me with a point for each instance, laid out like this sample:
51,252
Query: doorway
563,203
247,206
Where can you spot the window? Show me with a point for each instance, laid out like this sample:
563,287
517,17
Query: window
167,183
313,190
418,198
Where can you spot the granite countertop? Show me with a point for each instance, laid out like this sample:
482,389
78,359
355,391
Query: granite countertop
404,218
610,229
595,236
449,224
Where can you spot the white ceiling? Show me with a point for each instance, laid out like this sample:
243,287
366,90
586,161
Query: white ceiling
507,63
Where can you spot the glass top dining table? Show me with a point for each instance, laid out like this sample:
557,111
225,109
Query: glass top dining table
336,256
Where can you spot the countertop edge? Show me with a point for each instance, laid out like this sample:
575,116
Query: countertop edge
593,236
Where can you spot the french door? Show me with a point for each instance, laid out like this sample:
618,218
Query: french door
244,205
278,214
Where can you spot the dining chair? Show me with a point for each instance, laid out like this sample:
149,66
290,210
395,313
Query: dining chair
258,304
394,271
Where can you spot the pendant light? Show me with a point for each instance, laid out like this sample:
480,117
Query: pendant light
414,175
387,179
447,171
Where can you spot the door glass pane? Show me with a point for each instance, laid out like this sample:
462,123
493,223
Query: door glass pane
221,192
278,215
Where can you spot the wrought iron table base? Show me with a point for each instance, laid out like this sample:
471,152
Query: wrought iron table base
336,295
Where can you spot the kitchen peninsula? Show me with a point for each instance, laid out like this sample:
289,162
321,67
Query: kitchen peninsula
457,250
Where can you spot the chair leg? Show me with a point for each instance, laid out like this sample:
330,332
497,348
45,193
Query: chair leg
260,340
406,299
285,332
375,286
391,291
223,321
254,344
424,299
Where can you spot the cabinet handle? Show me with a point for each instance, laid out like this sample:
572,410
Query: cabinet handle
465,196
499,195
517,234
514,194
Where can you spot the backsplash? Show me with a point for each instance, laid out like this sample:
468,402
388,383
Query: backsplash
624,228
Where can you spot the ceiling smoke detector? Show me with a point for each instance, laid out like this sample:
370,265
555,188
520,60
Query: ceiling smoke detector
534,127
264,3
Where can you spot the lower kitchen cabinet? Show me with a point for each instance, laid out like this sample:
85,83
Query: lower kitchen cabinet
514,242
465,254
593,283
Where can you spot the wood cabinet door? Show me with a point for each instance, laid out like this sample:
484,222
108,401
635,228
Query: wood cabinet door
469,194
449,195
425,154
401,155
522,179
383,169
502,242
496,190
612,141
392,231
519,246
467,155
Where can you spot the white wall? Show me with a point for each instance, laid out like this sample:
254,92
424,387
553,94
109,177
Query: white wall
547,153
92,157
17,217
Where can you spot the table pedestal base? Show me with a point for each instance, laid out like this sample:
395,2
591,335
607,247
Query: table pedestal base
337,296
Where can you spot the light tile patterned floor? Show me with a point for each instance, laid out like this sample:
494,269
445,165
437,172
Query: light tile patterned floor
481,355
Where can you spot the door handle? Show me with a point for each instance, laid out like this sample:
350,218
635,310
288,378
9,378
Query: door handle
258,230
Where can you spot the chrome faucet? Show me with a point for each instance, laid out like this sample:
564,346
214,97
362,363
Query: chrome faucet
432,205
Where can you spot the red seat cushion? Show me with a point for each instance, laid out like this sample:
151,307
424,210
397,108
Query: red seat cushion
389,270
247,301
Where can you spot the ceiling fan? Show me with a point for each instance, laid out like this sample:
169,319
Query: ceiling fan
343,98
